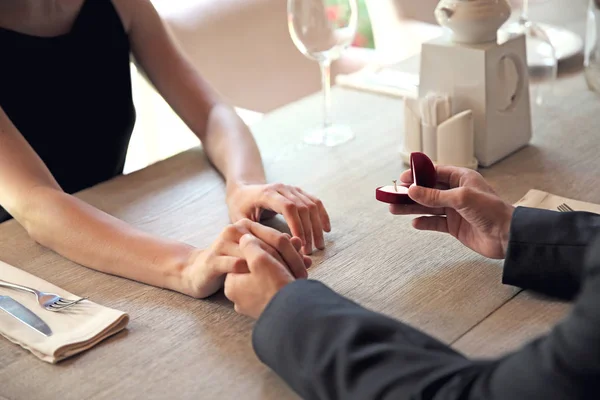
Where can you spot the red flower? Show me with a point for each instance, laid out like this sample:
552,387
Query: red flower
333,13
360,41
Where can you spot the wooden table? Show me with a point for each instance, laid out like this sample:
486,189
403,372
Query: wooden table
178,347
201,349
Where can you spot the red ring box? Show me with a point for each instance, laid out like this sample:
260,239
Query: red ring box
424,174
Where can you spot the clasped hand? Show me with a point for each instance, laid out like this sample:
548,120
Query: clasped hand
304,213
249,204
206,271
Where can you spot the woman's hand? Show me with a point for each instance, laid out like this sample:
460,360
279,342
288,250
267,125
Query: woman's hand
468,209
206,271
304,213
251,292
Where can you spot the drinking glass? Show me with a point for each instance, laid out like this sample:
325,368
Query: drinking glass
322,30
541,54
592,46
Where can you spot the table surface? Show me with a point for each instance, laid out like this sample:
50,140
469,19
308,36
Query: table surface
176,346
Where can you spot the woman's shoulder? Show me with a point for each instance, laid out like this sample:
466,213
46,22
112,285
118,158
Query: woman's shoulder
125,9
128,10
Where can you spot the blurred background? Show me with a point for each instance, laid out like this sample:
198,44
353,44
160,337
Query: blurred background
244,49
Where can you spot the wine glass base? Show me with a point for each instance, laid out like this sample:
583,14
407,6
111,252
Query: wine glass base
541,58
331,136
566,43
541,54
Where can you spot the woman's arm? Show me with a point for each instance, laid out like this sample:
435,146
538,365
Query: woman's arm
226,139
75,229
97,240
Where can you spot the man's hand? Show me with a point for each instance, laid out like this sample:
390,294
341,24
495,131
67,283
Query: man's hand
251,292
304,213
206,270
468,209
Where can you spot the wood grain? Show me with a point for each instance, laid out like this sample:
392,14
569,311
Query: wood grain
524,318
184,348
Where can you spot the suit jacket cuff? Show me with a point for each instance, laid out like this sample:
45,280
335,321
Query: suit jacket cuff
546,250
280,320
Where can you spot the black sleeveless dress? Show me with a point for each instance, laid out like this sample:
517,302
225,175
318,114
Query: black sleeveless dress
70,96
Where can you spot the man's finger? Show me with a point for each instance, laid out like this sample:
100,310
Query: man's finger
251,247
451,176
406,177
255,255
234,285
435,198
447,176
297,243
230,249
436,224
283,245
273,252
307,261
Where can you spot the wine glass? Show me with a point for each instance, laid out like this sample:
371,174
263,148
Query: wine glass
322,30
541,54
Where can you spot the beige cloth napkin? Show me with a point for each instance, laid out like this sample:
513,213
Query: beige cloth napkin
539,199
75,330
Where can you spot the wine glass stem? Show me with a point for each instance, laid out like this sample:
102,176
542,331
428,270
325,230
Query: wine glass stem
326,79
525,11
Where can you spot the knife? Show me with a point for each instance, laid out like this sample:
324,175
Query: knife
23,314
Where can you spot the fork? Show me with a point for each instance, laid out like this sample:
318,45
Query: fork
565,208
49,301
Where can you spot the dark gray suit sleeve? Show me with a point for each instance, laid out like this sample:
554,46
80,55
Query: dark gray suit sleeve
546,250
327,347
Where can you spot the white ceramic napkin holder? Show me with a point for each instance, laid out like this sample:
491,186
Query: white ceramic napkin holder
451,142
481,74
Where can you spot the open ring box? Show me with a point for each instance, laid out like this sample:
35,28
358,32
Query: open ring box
424,174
